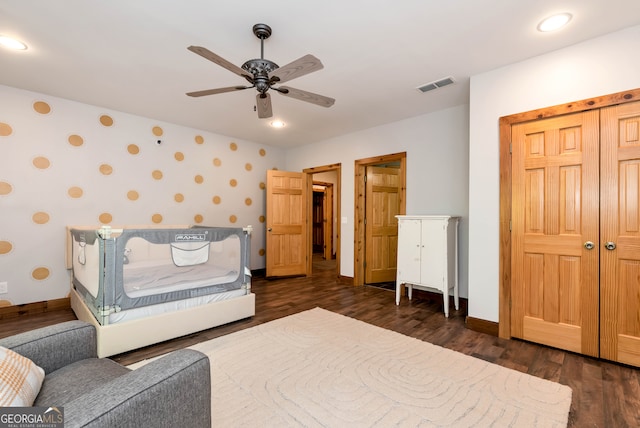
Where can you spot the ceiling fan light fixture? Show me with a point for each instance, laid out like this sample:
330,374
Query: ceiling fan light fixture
554,22
11,43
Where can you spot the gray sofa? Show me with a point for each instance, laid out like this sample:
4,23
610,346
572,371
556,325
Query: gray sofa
172,391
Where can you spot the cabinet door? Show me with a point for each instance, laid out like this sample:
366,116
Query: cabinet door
409,248
434,253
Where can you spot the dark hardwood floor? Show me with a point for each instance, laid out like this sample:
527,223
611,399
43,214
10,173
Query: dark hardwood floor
604,394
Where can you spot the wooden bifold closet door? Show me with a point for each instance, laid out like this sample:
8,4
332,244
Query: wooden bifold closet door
575,259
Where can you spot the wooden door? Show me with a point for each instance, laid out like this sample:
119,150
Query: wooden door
286,237
620,226
381,225
328,222
318,221
555,212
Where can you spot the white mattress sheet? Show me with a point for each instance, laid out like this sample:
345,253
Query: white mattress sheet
149,277
147,311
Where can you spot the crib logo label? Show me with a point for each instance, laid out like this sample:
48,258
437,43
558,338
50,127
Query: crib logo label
190,237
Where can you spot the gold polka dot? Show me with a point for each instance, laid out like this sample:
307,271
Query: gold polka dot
179,197
106,169
199,139
75,192
198,218
263,152
248,167
179,156
156,218
106,120
262,185
261,219
75,140
105,218
157,174
248,201
233,218
261,252
40,218
217,162
233,182
5,129
217,200
157,131
132,195
41,162
233,147
199,179
40,273
133,149
42,107
5,188
5,247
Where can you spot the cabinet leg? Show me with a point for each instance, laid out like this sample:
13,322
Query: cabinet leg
398,289
445,300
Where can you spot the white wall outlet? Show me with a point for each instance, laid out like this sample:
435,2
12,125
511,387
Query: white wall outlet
4,287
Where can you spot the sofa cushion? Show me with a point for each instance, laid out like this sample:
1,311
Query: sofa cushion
76,379
20,379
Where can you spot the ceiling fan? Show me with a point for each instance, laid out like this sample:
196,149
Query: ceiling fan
263,74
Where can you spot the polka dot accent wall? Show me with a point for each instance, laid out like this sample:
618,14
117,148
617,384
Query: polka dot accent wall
64,163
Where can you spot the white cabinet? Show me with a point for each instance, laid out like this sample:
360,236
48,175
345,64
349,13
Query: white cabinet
428,255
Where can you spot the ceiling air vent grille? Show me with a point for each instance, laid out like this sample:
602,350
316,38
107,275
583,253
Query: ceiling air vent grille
435,85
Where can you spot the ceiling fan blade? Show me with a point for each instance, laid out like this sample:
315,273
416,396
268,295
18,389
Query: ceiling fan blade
207,54
305,65
263,104
309,97
217,91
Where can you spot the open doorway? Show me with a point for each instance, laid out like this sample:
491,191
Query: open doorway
380,194
323,184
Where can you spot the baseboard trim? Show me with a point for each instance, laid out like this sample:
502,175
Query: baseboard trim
482,326
14,311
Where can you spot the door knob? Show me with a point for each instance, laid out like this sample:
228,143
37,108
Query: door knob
589,245
269,230
610,245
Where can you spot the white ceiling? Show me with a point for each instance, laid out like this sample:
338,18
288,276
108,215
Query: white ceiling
131,55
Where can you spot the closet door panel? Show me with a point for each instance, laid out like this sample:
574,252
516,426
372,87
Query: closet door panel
554,213
620,225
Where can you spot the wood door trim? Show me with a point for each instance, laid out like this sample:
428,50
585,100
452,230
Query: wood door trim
337,167
359,209
505,123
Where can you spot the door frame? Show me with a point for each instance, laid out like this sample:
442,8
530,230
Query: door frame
505,123
337,167
360,205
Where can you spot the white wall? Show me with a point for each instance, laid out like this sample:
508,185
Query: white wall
437,170
600,66
64,167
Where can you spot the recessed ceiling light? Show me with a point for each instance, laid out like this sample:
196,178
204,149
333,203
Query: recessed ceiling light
554,22
11,43
277,124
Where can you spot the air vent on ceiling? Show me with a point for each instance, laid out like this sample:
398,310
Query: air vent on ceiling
435,85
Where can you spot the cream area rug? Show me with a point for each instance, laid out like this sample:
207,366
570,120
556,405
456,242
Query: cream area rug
321,369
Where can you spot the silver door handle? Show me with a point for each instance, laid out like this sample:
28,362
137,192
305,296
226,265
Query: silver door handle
610,245
589,245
